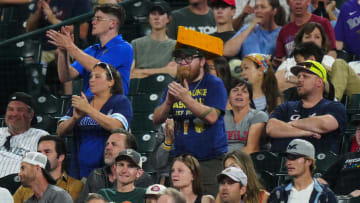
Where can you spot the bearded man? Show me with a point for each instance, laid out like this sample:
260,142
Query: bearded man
197,103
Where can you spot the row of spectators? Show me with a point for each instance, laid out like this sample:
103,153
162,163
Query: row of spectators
210,115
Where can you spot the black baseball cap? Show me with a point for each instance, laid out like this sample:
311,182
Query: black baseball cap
23,97
161,6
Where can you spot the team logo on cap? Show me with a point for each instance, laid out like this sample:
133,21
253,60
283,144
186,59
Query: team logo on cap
128,152
155,188
292,146
228,170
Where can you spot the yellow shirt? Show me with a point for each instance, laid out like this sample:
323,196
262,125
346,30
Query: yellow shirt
70,184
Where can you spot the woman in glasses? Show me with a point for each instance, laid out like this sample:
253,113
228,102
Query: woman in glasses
244,124
186,177
257,69
255,192
90,119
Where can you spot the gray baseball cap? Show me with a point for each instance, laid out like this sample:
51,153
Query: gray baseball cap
235,174
130,155
301,147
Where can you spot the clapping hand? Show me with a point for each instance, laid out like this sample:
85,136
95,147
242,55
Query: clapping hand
80,103
178,91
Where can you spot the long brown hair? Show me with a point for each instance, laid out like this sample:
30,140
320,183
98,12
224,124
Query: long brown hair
308,28
269,84
280,16
254,187
270,88
193,164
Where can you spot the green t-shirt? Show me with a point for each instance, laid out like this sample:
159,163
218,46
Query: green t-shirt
149,53
112,195
184,17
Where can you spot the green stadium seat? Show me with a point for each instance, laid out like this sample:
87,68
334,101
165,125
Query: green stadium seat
353,107
324,161
47,104
154,83
133,87
23,52
143,122
145,102
266,161
47,123
145,140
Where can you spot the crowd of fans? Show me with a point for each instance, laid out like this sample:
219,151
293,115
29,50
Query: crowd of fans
283,98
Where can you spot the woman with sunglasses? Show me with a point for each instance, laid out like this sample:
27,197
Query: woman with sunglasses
91,119
257,69
244,124
255,192
186,177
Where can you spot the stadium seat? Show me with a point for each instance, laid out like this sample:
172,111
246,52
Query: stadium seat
133,87
47,104
47,123
143,122
268,180
146,162
13,19
266,161
154,83
145,140
145,102
24,52
353,107
324,161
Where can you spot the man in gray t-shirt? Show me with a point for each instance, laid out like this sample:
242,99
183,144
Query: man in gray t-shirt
52,194
34,173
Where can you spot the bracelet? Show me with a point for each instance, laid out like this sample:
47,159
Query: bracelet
168,143
167,146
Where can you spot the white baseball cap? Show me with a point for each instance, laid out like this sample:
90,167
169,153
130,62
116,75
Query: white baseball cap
155,189
235,174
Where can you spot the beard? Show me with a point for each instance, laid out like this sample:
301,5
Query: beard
183,73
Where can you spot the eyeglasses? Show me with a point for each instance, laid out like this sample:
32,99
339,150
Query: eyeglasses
98,18
105,65
188,59
293,157
7,143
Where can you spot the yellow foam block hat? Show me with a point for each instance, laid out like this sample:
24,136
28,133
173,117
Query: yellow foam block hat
211,46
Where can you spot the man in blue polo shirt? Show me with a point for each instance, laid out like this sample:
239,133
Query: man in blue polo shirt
112,49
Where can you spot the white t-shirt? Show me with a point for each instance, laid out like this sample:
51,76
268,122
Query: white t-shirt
290,62
302,195
5,196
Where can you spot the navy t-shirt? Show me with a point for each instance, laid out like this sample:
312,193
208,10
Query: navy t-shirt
192,134
293,110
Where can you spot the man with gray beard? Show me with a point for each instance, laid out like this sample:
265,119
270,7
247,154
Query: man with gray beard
105,177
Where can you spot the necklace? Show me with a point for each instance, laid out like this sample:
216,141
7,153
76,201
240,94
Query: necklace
197,85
